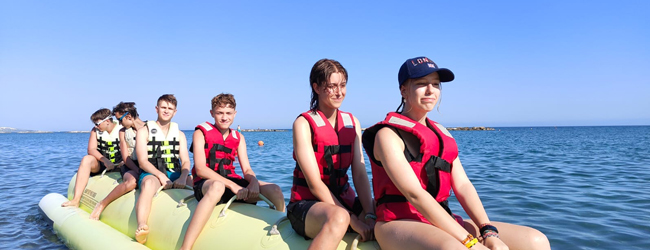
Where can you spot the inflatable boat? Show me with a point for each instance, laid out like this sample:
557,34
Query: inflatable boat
231,226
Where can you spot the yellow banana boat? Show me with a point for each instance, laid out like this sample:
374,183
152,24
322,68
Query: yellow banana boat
231,226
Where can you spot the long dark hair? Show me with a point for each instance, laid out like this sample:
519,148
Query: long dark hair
320,74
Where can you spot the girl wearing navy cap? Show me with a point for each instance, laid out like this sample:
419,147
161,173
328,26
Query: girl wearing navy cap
326,143
415,165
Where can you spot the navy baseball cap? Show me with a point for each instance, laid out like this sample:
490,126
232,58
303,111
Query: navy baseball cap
420,67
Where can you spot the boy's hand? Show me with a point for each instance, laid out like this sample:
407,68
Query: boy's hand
253,189
361,228
108,164
119,165
242,193
164,181
180,182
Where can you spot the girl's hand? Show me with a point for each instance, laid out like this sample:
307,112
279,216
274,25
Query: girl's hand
494,243
361,228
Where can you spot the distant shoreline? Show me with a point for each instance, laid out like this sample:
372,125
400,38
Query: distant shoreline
8,130
263,130
471,128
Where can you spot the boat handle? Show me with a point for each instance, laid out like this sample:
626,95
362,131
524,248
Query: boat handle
274,229
223,211
355,242
161,188
105,169
103,173
183,201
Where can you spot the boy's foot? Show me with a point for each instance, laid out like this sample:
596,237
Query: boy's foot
97,211
70,204
141,234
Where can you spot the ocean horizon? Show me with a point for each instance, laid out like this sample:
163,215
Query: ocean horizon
7,130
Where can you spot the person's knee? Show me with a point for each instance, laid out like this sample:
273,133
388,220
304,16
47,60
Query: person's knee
130,183
150,183
338,218
214,190
274,190
539,240
87,161
216,187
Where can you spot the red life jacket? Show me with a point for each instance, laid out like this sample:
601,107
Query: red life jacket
219,154
333,151
432,165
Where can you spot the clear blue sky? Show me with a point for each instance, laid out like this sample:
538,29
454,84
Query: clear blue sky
517,63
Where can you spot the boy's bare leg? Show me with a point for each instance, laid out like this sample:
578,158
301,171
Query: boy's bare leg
88,165
212,190
127,186
150,185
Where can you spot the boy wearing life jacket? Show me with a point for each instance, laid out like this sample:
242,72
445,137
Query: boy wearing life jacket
127,116
161,149
215,181
103,152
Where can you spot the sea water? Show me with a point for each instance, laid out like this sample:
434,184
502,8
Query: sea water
584,187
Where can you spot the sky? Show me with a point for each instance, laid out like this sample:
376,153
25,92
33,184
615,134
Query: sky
517,63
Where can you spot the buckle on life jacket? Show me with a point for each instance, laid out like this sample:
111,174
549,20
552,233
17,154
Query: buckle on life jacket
437,163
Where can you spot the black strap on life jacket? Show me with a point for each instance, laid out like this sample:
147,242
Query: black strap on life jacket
340,189
220,162
435,164
105,147
398,198
157,152
334,174
432,167
302,182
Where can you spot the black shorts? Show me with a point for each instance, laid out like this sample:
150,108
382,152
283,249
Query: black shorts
297,213
102,167
227,194
124,169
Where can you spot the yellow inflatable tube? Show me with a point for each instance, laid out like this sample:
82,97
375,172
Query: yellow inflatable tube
237,226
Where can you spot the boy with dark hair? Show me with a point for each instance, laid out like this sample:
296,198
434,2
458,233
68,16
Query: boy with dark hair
103,152
127,116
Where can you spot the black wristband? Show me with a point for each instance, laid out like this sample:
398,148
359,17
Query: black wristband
488,227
